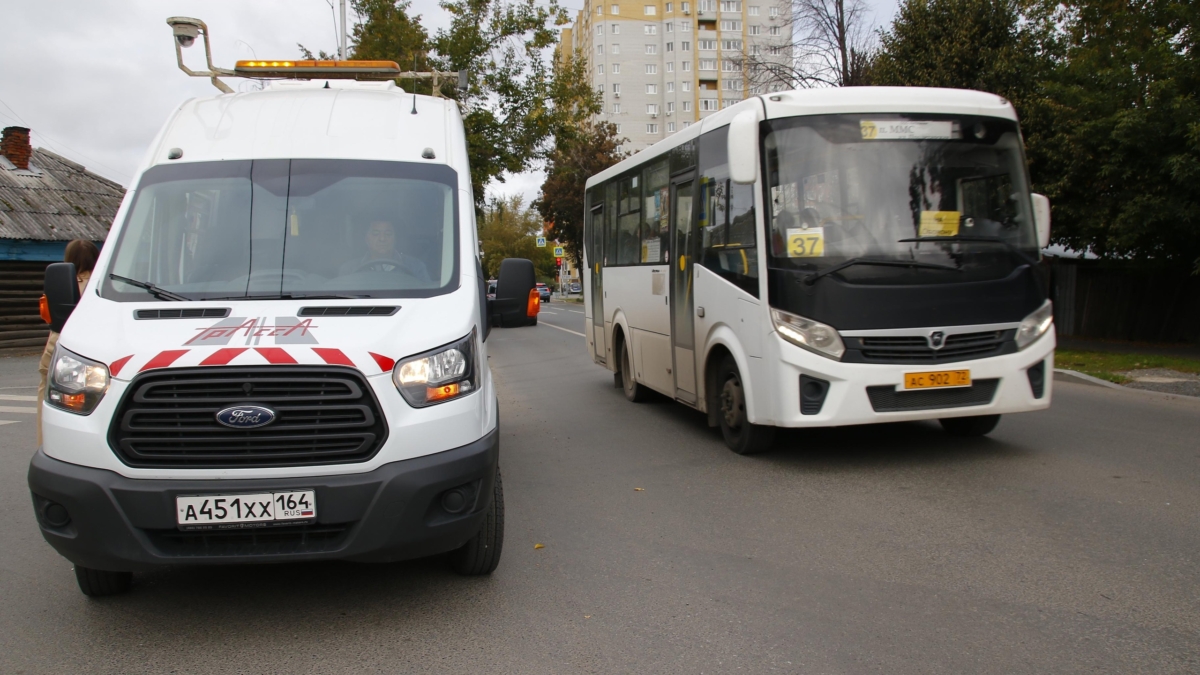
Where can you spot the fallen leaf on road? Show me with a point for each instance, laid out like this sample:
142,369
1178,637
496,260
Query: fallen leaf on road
537,546
587,616
639,489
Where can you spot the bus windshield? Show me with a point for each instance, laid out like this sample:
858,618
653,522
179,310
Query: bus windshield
284,228
898,199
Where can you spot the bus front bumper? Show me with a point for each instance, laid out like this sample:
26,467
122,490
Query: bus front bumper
860,393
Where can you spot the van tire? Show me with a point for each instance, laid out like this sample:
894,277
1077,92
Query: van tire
729,399
633,391
99,583
978,425
481,555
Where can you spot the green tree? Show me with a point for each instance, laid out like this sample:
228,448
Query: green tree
1123,164
508,229
590,149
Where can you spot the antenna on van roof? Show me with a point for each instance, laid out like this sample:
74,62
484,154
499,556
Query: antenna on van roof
414,110
187,29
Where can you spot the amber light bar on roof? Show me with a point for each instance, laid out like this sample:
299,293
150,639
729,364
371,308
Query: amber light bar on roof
308,68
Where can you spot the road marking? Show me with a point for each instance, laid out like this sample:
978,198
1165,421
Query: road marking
4,422
575,310
15,409
567,330
15,397
546,311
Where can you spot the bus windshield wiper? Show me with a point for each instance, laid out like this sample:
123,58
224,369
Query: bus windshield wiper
160,293
994,240
812,278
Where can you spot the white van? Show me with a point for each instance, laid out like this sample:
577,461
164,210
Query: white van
282,352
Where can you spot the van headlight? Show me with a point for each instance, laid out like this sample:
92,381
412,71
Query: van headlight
76,384
1035,325
811,335
439,375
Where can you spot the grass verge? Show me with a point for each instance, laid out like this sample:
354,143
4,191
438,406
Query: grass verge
1107,365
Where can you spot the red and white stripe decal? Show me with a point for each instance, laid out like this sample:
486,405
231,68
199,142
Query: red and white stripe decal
334,357
163,359
115,367
222,356
385,364
275,355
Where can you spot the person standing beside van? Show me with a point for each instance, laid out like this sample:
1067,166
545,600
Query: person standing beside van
82,254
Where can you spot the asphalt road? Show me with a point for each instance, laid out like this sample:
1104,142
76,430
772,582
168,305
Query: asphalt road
1067,542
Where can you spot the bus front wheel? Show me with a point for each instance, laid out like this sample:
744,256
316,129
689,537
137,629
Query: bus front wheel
979,425
633,391
740,435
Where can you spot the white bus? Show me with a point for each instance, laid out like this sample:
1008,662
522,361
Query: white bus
824,258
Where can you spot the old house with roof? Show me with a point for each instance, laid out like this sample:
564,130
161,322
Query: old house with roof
45,201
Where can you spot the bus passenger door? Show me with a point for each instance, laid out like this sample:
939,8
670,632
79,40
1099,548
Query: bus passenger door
595,270
682,300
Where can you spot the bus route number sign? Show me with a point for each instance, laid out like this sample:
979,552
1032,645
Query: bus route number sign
806,242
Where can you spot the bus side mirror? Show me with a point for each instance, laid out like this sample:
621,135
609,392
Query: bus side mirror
743,147
516,302
1041,218
62,293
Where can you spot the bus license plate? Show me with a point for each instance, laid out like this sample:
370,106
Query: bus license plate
266,508
937,378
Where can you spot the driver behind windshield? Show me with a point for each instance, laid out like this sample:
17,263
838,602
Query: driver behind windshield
382,256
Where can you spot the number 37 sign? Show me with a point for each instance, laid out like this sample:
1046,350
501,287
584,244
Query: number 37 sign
806,243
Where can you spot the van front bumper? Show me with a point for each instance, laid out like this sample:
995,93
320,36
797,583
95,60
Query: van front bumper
391,513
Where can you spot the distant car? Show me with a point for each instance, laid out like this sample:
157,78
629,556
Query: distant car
543,292
576,288
491,292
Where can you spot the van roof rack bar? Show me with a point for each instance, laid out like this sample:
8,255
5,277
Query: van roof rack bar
187,29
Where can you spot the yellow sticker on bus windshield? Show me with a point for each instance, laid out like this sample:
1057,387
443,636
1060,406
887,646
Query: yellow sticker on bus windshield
806,243
939,224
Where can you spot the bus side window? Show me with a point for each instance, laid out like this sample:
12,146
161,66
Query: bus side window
655,214
629,221
727,225
610,224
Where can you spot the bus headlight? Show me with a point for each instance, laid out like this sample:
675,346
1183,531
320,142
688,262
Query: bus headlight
76,384
811,335
439,375
1035,325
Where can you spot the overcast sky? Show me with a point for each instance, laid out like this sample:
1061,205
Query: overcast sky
95,79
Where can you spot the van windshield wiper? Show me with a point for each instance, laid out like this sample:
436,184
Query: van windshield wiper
291,296
812,278
160,293
993,240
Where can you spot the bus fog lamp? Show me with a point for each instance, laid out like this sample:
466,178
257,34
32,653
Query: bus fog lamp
446,373
76,384
1035,325
811,335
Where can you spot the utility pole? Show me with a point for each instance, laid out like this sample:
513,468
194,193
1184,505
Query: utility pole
342,47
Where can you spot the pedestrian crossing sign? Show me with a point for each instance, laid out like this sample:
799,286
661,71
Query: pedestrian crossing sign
558,251
541,242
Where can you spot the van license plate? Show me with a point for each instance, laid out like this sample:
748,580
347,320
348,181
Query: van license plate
266,508
937,378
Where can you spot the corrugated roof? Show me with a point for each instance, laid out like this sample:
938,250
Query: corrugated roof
59,201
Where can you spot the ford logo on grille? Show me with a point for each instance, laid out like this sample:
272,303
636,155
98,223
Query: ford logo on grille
246,416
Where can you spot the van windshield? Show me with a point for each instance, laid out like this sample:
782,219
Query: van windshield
289,228
919,199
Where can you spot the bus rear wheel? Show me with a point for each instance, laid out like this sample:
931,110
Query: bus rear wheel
740,435
979,425
633,391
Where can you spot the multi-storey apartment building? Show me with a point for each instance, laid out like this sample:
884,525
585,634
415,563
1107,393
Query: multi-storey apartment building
662,65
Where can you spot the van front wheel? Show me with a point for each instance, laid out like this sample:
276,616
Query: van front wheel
740,435
481,554
99,583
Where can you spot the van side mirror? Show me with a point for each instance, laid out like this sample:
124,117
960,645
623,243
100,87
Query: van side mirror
516,302
1041,218
62,293
743,147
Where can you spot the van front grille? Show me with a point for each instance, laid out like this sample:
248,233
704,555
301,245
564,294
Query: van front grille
280,540
324,415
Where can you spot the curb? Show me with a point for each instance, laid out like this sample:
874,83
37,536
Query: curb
1080,378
